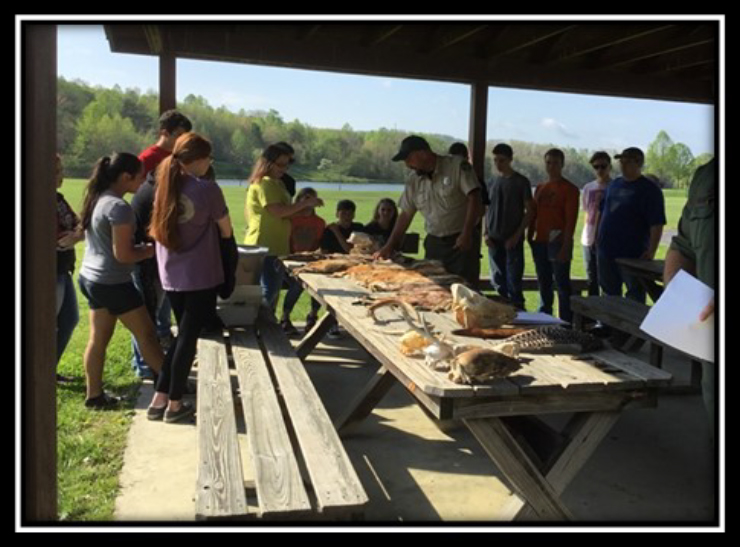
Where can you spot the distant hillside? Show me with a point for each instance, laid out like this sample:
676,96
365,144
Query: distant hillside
93,122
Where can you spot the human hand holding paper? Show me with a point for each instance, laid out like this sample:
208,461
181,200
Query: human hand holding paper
679,317
707,312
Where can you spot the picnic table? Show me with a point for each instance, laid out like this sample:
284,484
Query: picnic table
648,272
537,461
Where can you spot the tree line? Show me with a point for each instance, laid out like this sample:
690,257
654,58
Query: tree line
95,121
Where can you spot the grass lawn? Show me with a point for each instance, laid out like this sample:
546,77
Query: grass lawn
90,444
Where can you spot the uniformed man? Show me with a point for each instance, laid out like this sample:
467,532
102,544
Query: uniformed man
694,250
445,190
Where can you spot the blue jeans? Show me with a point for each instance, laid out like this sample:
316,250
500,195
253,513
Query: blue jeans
547,269
68,314
295,289
162,323
590,264
611,279
271,281
507,270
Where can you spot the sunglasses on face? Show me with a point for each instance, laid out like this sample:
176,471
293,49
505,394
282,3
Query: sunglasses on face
600,166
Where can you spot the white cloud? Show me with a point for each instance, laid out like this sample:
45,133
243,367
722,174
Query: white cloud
562,129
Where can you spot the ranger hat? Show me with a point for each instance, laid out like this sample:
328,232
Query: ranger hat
410,144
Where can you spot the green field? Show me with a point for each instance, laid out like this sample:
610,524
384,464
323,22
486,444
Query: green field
90,445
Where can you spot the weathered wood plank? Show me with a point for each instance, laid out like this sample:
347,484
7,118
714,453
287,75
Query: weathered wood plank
277,476
550,403
335,482
311,339
220,485
339,294
541,373
517,467
651,375
580,447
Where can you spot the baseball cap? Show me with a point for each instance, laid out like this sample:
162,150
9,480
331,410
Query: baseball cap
410,144
632,152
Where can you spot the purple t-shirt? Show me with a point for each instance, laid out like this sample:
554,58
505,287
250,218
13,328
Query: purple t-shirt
591,197
196,265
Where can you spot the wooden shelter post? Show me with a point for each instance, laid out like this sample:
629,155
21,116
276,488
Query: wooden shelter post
39,466
478,119
167,81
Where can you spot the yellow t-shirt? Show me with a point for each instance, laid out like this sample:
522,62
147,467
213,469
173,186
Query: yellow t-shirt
264,228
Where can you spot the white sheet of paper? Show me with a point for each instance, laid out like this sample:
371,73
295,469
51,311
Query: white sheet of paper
674,319
536,318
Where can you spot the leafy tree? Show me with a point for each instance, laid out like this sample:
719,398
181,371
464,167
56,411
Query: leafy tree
671,162
94,121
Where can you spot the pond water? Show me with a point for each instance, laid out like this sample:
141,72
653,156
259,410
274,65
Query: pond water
336,186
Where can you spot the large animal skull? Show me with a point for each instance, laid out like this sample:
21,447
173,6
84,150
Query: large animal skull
472,309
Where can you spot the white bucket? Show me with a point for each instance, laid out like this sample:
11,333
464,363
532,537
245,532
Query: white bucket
241,308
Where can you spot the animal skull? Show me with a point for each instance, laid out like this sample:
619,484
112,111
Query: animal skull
481,365
472,309
466,364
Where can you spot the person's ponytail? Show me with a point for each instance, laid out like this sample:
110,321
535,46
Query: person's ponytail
170,177
105,173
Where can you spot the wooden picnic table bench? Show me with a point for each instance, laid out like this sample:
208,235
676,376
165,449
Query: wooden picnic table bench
627,315
647,272
291,439
504,415
530,283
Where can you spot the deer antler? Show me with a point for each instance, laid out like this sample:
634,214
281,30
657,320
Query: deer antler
407,310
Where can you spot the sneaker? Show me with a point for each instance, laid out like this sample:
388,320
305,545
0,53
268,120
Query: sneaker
288,327
334,333
186,410
155,414
103,402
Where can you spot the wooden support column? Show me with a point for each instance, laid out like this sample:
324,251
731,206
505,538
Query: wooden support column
478,119
167,81
38,281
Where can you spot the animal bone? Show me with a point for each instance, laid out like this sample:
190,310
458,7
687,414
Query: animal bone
436,351
472,309
362,243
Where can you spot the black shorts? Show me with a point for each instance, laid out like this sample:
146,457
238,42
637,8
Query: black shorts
117,299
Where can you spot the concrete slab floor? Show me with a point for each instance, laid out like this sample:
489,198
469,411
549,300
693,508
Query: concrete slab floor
656,465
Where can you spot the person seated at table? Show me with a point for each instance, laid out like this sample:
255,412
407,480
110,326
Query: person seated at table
334,239
384,219
631,225
306,230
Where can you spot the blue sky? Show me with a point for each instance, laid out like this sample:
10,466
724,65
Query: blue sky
325,99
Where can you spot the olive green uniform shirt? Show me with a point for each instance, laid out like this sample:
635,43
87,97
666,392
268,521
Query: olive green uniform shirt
696,239
442,200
